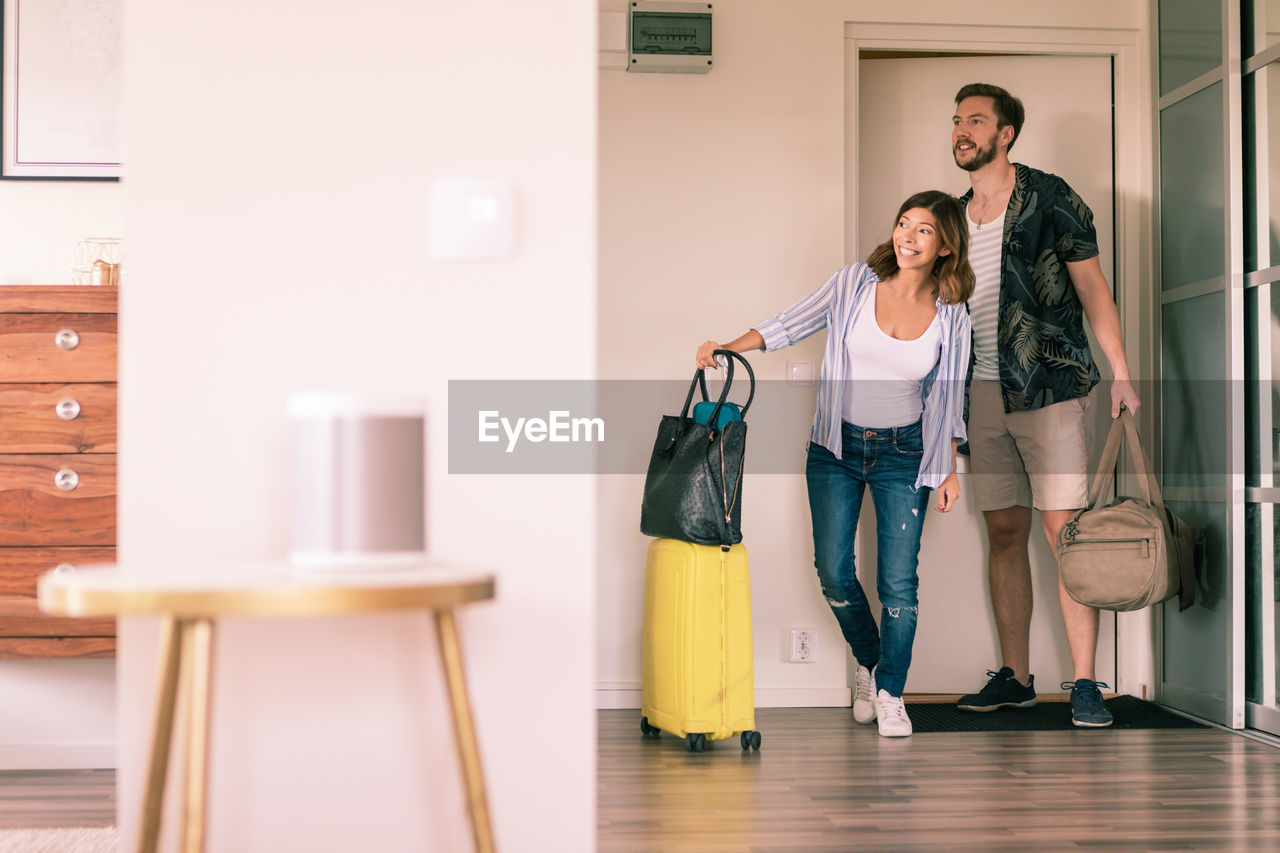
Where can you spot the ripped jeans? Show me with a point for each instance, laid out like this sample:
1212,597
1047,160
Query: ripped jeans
888,461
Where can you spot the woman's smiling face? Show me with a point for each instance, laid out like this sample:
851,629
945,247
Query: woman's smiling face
916,241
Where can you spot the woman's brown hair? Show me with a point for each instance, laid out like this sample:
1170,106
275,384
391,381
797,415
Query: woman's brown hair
955,276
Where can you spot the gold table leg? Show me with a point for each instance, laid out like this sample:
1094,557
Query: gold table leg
464,730
166,698
198,649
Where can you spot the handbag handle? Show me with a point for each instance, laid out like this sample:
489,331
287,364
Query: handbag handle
1124,425
700,382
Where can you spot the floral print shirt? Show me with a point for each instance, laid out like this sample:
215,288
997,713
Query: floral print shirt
1043,353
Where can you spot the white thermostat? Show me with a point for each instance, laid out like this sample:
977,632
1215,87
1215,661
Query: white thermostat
669,37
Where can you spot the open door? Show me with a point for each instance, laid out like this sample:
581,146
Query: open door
903,145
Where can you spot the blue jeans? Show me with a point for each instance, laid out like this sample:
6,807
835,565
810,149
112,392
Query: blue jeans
887,460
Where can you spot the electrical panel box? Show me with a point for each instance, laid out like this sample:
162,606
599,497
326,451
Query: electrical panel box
669,37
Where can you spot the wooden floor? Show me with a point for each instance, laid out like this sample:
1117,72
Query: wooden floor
822,782
40,799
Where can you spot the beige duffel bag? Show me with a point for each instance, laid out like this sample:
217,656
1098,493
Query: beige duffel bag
1133,552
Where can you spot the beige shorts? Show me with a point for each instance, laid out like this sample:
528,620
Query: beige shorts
1037,458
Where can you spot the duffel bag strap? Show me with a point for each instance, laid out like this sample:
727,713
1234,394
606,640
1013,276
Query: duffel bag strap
1151,489
1124,427
1146,479
1106,464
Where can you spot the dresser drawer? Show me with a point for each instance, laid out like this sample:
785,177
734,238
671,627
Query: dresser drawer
20,568
67,298
57,348
20,617
58,418
35,511
19,614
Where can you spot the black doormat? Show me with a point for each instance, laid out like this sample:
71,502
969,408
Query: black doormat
1130,713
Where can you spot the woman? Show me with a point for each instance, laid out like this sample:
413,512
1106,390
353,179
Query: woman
890,416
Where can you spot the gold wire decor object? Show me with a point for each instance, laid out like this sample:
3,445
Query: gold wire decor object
97,261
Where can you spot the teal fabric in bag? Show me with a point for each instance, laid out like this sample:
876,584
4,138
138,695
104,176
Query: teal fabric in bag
729,413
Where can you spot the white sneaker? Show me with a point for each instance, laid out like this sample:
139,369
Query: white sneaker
891,715
864,696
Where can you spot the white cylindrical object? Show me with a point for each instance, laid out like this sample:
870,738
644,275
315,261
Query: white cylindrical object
358,481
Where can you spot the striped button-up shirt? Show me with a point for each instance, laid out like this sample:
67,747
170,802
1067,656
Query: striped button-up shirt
835,307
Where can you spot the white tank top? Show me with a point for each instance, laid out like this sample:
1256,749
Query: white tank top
883,389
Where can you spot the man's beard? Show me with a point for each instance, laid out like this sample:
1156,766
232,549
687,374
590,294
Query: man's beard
981,157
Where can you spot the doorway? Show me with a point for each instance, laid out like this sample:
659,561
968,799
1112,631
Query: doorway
900,144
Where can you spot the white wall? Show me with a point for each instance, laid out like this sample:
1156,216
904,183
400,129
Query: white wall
741,212
280,157
56,713
42,221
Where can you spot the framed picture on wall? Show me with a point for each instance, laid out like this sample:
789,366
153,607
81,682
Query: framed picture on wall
62,89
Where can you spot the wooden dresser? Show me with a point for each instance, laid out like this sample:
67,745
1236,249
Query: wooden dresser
57,459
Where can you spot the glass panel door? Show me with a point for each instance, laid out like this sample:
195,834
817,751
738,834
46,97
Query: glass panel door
1201,327
1190,41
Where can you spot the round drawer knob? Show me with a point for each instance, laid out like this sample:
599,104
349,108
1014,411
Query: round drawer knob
64,568
67,339
66,480
68,408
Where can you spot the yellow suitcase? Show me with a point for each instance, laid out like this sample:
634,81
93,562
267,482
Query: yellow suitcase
696,666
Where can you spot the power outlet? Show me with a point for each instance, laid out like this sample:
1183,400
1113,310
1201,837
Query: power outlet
803,646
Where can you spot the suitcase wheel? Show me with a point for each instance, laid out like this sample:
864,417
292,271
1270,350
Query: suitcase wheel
750,740
695,742
647,729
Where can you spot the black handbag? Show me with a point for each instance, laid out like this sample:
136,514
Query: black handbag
693,489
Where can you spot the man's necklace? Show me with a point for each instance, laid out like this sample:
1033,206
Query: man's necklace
987,206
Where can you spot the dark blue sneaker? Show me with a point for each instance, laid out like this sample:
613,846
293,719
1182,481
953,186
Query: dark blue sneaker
1086,703
1002,691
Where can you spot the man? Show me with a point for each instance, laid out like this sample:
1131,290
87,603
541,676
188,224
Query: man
1035,253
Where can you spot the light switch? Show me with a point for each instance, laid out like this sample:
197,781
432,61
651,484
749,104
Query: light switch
471,220
800,373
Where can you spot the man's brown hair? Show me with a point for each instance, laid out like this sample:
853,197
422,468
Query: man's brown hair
1009,110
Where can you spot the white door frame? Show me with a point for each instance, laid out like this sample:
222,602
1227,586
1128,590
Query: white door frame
1137,632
